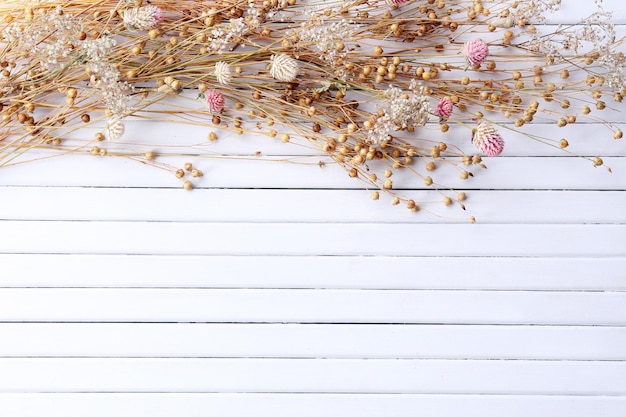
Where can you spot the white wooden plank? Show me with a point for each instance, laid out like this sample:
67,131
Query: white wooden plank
502,173
309,405
312,375
316,306
311,341
311,239
536,139
372,272
81,203
305,172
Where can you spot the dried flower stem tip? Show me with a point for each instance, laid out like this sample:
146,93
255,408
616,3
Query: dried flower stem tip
222,73
143,18
214,101
475,52
283,68
114,128
444,108
486,138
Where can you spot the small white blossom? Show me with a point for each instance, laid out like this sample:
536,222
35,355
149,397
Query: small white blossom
325,38
535,10
222,73
503,22
223,35
105,76
404,110
143,18
50,37
283,68
615,66
253,19
595,32
114,128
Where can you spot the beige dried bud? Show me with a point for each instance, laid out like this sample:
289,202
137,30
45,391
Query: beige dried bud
283,68
222,73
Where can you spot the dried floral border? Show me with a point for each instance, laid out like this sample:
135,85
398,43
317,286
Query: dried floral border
376,86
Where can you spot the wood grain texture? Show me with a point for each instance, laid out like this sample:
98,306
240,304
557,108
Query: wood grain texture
310,405
314,272
313,306
291,239
371,376
331,341
353,206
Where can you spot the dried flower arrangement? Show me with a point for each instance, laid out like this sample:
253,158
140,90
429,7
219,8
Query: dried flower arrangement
376,86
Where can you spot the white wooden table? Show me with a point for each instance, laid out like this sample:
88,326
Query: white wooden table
277,289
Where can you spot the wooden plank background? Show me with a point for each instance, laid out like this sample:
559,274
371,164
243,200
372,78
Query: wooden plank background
276,289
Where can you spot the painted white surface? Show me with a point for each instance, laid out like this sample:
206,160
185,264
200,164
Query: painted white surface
277,290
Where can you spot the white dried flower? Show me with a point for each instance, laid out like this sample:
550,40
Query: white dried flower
404,111
222,73
594,32
253,18
221,36
615,66
105,75
535,10
114,128
50,36
503,22
143,18
325,37
283,68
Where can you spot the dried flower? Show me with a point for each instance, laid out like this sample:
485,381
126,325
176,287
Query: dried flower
214,101
68,65
36,39
615,66
221,36
503,22
222,73
444,108
475,52
325,37
143,18
114,128
283,68
486,138
404,111
105,76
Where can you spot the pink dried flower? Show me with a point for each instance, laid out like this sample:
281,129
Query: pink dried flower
157,15
214,101
475,52
444,108
486,138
